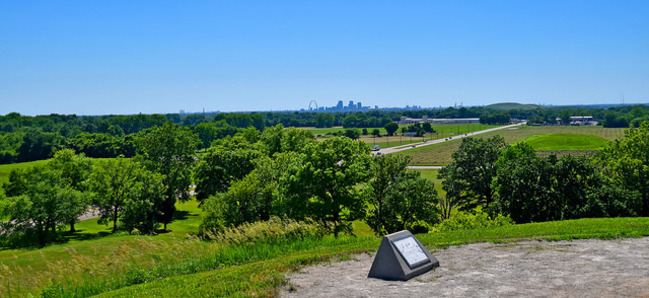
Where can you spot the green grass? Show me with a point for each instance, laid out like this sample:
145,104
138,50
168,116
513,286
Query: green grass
511,106
555,141
94,253
264,277
7,168
431,174
440,154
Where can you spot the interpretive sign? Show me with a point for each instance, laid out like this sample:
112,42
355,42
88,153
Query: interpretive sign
411,251
400,257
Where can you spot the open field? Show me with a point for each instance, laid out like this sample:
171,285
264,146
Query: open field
441,131
441,154
555,141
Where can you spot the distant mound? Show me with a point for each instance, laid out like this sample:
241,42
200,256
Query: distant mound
512,106
555,141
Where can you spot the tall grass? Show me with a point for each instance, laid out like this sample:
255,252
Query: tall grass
177,265
263,278
272,231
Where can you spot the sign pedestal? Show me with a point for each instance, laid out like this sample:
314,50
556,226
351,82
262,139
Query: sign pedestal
400,257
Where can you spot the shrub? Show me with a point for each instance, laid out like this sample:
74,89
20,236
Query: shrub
466,221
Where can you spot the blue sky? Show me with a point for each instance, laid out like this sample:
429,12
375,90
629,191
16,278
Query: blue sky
126,57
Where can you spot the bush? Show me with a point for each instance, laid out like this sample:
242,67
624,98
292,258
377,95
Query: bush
467,221
273,231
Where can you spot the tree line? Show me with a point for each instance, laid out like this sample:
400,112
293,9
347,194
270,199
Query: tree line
512,180
25,138
285,173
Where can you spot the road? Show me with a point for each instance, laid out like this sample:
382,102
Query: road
439,141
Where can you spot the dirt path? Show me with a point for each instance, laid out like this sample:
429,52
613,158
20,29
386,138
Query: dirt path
580,268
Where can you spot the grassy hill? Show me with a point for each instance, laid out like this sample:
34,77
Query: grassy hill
511,106
566,142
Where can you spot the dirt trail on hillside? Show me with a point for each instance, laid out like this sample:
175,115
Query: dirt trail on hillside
580,268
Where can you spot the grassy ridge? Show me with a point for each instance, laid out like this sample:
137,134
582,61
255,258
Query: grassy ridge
264,277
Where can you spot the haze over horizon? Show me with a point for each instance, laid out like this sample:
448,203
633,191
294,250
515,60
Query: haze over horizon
97,58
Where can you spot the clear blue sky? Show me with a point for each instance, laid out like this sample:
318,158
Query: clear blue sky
126,57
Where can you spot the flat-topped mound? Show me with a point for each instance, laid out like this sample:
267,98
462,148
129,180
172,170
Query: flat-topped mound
555,141
585,268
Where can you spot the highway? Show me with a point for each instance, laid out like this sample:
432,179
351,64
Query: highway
433,142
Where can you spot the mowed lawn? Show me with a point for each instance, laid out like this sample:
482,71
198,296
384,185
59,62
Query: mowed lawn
556,141
441,154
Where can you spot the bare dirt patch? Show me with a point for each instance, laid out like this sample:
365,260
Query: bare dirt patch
582,268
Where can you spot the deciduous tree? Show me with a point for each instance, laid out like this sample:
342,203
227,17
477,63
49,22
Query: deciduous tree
170,151
467,179
124,188
391,128
397,198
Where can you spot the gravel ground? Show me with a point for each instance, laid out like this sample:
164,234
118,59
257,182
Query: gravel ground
580,268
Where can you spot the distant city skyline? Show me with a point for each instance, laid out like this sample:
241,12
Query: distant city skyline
98,58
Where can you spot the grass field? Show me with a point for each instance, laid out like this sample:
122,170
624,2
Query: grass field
441,154
554,141
441,131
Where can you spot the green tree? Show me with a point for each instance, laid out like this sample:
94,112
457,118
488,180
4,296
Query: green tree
37,145
352,133
626,163
427,127
207,133
138,211
45,203
221,166
276,139
397,198
391,128
467,179
323,120
332,169
124,189
376,132
274,187
524,186
169,150
74,171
